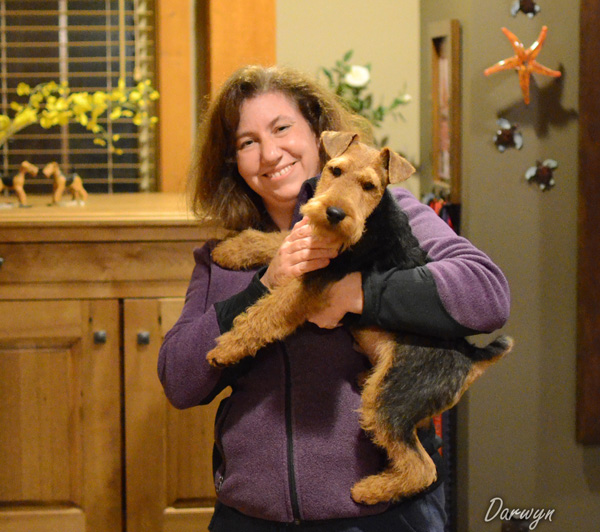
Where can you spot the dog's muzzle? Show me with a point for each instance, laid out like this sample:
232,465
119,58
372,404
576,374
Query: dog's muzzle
335,215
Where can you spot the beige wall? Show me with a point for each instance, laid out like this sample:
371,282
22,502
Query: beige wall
315,33
517,425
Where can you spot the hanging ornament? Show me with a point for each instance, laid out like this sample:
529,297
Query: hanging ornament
524,61
507,136
542,174
529,7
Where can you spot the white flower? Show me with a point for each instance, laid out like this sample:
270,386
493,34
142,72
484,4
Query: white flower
358,76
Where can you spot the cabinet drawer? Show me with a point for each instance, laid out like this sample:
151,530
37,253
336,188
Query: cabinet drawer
60,262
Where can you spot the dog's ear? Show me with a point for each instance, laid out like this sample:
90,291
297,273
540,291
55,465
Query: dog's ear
337,142
398,168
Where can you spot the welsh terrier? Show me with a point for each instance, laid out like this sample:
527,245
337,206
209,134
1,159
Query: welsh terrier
413,377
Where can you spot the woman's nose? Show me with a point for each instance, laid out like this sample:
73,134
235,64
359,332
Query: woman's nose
270,150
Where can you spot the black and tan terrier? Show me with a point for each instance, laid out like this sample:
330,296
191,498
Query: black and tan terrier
413,377
17,183
60,183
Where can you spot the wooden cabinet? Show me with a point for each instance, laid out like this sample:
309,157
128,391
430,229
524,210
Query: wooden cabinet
88,441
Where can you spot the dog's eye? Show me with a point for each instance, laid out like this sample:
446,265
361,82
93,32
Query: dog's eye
368,186
336,171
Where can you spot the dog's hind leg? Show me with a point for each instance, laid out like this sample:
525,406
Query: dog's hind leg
411,470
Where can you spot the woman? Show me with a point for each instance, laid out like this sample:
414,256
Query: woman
288,442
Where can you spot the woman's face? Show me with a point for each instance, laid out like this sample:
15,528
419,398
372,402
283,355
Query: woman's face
276,152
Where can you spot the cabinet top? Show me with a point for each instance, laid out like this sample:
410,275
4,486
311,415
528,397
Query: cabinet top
139,216
99,208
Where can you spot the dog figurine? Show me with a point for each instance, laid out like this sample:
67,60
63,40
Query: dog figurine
17,182
72,183
413,377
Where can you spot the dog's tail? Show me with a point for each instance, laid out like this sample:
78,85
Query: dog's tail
494,350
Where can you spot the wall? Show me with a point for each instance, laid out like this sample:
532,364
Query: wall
518,424
385,33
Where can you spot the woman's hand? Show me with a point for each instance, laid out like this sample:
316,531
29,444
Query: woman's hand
300,252
344,296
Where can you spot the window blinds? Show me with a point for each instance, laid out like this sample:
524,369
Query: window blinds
90,44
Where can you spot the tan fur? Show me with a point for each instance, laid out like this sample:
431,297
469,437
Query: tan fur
249,249
18,182
59,183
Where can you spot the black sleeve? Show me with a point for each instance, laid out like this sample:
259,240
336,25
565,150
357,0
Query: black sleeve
407,301
228,309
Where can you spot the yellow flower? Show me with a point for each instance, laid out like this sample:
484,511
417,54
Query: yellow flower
52,104
23,89
115,113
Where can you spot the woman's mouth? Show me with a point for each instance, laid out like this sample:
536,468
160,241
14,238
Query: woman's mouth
281,172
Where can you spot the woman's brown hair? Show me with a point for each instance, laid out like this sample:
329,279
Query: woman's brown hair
215,186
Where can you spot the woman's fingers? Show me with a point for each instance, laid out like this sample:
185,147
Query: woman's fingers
301,252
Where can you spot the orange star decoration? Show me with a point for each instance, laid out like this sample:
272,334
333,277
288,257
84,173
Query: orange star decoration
524,61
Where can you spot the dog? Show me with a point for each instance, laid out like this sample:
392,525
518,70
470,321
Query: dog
17,182
413,377
72,183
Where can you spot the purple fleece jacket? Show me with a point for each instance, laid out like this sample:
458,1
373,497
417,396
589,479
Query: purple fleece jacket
288,437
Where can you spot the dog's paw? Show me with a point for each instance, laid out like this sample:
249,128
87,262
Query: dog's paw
362,493
219,358
226,255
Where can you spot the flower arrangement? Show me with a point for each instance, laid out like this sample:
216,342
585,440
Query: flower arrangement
350,82
51,104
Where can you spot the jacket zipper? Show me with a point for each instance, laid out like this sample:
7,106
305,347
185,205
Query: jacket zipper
290,436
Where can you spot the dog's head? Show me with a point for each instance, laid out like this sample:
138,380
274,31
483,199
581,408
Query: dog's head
352,184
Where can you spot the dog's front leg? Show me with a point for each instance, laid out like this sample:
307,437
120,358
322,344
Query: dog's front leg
248,249
273,317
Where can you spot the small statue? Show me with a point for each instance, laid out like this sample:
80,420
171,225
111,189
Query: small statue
17,183
72,182
542,174
529,7
508,136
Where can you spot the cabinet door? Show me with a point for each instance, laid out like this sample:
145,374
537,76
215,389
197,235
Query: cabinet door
168,452
60,428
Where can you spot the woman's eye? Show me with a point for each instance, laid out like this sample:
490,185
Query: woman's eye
244,144
282,128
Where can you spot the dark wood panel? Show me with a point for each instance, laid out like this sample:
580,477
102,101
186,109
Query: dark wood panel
588,281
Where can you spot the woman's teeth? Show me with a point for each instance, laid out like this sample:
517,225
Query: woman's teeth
280,172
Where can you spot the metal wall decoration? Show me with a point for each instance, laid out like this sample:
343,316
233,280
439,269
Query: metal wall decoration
542,174
524,61
529,7
507,136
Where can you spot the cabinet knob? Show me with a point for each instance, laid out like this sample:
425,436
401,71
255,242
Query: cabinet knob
143,338
1,261
99,337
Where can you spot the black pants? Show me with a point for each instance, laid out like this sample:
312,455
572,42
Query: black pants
421,514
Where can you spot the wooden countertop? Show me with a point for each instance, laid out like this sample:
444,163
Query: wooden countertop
137,216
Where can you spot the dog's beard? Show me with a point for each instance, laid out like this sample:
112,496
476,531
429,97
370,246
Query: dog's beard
347,231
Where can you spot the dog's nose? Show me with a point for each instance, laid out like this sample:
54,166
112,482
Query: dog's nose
335,215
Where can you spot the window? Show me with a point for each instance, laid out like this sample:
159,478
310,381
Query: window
90,44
